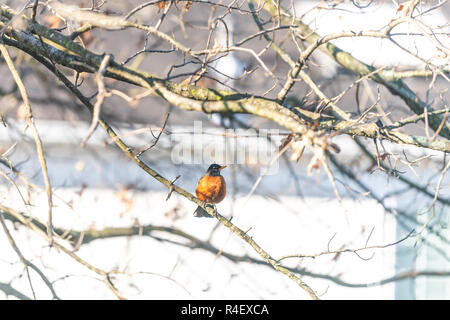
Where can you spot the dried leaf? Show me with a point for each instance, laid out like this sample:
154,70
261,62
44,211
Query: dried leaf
125,197
192,78
406,7
400,8
53,21
188,5
297,149
173,214
161,5
317,159
314,164
333,147
285,141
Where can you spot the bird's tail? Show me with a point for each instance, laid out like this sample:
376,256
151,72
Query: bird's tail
200,212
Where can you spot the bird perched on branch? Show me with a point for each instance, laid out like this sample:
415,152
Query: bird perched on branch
211,189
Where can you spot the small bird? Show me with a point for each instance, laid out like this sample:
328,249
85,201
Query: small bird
211,189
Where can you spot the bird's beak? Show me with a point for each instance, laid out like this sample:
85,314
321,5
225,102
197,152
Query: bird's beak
222,167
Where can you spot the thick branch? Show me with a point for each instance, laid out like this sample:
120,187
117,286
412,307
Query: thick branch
191,97
385,77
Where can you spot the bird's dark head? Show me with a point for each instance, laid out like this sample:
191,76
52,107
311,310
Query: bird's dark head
214,169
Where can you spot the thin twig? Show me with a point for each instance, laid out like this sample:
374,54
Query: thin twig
100,98
315,255
39,148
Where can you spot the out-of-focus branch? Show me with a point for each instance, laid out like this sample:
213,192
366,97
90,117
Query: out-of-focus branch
385,77
402,215
10,291
26,262
88,236
355,251
410,183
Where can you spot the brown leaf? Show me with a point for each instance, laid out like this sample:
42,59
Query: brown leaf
80,192
188,5
53,21
125,197
203,82
285,141
297,149
161,5
87,37
406,7
314,164
192,78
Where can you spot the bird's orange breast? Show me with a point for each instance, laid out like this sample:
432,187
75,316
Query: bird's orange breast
211,189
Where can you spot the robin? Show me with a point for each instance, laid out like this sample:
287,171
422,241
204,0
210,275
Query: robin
211,189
